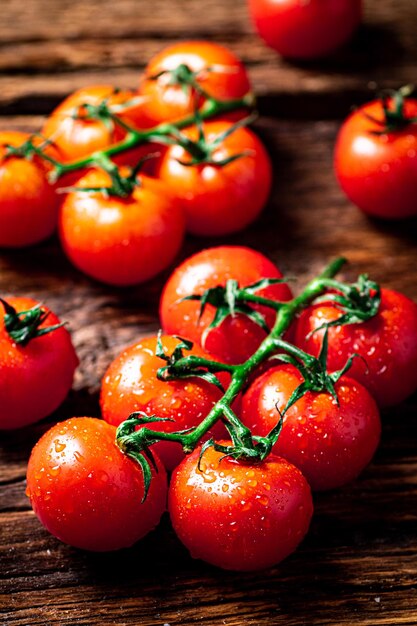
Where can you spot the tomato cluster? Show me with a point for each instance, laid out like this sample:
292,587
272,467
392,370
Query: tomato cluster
262,420
124,174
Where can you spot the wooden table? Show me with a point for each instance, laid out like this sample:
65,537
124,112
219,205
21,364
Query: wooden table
358,565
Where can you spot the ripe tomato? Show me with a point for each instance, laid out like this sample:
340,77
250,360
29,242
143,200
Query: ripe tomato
34,378
78,137
87,493
237,337
121,241
304,29
217,71
387,343
330,444
130,384
378,172
219,199
28,202
237,515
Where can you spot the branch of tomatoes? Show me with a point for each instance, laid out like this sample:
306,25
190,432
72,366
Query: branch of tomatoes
163,133
136,443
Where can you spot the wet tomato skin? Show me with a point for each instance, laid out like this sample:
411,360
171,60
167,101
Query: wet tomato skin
330,444
378,172
387,344
165,102
35,378
239,516
130,384
219,199
237,337
28,202
86,492
121,241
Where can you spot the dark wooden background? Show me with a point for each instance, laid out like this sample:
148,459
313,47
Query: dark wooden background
358,565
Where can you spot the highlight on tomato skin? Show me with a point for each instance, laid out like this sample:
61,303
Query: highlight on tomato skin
28,202
305,29
130,384
236,515
34,378
87,493
330,442
237,338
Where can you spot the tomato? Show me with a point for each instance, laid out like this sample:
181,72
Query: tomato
130,384
387,342
28,202
34,378
121,241
219,199
78,137
378,170
217,71
237,515
87,493
304,29
237,337
330,444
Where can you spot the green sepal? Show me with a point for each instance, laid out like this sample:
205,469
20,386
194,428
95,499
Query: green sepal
24,326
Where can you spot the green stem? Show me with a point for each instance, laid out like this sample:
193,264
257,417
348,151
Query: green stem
134,138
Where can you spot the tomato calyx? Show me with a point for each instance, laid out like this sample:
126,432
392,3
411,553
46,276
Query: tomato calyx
24,326
313,370
107,112
203,151
231,299
358,302
183,76
28,149
180,367
393,105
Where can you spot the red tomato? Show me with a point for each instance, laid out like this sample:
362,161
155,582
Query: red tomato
219,199
304,29
78,137
34,378
237,338
237,515
387,343
378,172
28,202
130,384
219,73
121,241
87,493
330,444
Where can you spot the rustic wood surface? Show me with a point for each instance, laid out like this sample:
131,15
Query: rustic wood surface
358,565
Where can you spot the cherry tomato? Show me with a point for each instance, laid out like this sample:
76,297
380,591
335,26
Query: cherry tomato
34,378
87,493
76,136
121,241
304,29
219,199
387,343
237,515
216,70
237,337
130,384
378,170
331,444
28,202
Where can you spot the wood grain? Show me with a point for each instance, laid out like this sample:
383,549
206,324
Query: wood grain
358,564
